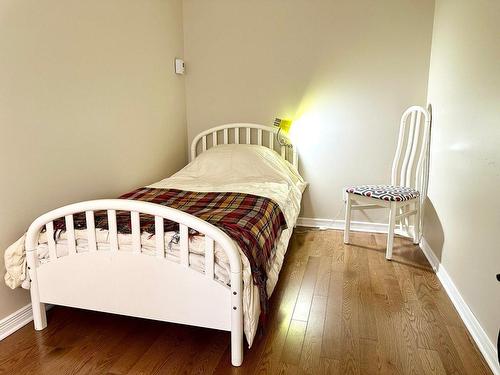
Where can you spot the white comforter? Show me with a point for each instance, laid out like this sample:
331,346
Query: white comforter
228,168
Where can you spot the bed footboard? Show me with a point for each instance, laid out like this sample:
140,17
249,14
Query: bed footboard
132,283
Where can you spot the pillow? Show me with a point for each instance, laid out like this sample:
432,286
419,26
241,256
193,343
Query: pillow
241,163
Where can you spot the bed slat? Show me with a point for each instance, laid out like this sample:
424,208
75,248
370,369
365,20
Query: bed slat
271,140
204,143
91,241
159,237
184,244
136,231
226,136
70,233
49,229
112,230
259,137
214,138
237,136
248,136
209,257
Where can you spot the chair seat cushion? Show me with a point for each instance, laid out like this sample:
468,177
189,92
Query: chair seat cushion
385,192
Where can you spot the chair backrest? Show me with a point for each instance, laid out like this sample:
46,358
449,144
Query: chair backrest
409,167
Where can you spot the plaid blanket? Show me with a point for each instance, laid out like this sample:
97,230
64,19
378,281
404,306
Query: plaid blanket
253,222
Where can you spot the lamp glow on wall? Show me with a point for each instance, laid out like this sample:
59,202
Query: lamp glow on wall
283,131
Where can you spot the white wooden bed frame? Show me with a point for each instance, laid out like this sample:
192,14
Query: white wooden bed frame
135,284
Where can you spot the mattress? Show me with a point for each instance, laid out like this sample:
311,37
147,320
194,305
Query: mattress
246,169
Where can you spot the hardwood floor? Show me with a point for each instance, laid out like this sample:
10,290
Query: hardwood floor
337,309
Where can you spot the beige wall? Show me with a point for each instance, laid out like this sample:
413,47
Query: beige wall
464,215
89,105
346,69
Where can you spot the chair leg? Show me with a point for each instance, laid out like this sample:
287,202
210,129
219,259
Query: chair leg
347,227
390,233
416,227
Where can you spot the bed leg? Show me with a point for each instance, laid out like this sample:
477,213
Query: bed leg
39,316
236,349
236,319
39,313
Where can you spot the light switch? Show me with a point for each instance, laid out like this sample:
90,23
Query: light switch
179,66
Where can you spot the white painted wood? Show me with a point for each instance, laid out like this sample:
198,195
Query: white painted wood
159,237
70,234
49,228
112,230
295,156
289,153
136,231
390,232
409,129
407,170
409,181
347,228
91,237
226,136
236,319
142,286
214,138
406,214
118,279
416,229
209,258
366,206
184,244
39,315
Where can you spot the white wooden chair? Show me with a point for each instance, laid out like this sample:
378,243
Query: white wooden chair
405,195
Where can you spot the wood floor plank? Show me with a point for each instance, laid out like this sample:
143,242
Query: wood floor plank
366,317
331,343
470,358
292,348
337,309
350,333
369,361
431,362
304,299
311,348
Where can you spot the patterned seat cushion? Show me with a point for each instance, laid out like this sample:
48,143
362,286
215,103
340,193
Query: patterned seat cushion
385,192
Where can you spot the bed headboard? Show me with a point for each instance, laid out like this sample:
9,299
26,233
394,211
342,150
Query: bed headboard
242,133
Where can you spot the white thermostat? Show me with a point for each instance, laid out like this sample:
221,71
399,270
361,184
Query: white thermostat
179,66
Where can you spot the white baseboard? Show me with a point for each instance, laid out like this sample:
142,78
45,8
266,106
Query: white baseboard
15,321
483,342
358,226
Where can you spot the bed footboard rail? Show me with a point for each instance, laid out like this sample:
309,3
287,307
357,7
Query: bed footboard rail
230,297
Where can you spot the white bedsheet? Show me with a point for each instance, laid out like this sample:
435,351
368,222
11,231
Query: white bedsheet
227,168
